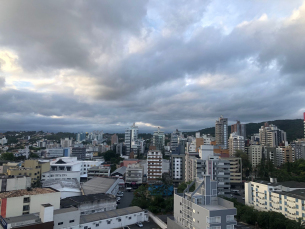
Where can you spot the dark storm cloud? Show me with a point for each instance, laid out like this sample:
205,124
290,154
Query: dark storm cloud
185,73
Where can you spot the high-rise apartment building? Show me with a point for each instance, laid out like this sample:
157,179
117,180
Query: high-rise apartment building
131,136
159,139
66,142
221,132
202,208
271,135
175,139
236,142
114,139
154,165
235,170
177,163
81,137
79,152
255,153
239,129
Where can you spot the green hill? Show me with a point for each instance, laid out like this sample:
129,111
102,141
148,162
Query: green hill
293,127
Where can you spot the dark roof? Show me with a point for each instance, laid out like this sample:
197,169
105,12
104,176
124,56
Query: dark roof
290,184
77,200
60,161
109,214
299,194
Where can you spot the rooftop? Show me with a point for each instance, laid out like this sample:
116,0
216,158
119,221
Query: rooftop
22,218
98,185
120,170
24,192
290,184
76,200
60,184
109,214
64,210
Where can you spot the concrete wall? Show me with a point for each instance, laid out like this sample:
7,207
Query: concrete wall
97,206
173,225
68,219
14,206
49,198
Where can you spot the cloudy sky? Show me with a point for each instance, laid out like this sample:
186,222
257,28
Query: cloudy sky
85,65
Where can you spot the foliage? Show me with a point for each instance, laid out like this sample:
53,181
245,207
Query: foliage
183,185
7,156
155,204
33,155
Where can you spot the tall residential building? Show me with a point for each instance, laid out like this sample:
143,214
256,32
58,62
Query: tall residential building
189,165
299,148
114,139
271,135
131,136
235,170
154,165
80,137
175,139
239,129
202,208
79,152
236,142
283,197
255,153
177,163
159,139
221,132
66,142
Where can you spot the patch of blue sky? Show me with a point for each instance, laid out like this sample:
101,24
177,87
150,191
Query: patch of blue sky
23,84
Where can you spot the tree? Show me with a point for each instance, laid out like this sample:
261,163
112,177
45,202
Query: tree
33,155
183,185
7,156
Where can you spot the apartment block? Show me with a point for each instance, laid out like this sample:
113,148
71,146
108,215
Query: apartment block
99,171
202,208
54,152
255,153
236,142
189,165
239,129
131,136
177,163
271,135
154,165
21,202
134,174
159,139
79,152
61,175
221,132
235,170
287,197
11,183
114,139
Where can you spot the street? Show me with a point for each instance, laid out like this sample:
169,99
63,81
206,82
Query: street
126,200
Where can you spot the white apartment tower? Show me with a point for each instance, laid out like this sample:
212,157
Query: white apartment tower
159,139
236,142
131,136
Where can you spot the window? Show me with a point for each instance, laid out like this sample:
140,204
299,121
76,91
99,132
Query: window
230,226
97,225
60,223
108,221
26,207
230,218
71,221
26,199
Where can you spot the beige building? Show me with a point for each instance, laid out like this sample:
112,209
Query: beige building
22,202
11,183
255,153
235,169
134,174
283,197
31,168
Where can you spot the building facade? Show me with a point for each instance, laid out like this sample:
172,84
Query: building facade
131,136
154,165
236,142
159,139
221,132
239,129
202,208
134,174
255,153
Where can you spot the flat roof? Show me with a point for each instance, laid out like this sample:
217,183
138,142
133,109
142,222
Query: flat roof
109,214
98,185
76,200
22,218
61,171
64,210
290,184
299,194
24,192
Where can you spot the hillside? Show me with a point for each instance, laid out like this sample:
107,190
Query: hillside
294,128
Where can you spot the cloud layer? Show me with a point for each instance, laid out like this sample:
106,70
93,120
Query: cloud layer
83,65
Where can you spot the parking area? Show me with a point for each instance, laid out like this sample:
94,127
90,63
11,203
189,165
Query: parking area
126,200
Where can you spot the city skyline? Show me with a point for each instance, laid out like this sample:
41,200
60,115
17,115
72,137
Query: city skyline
169,64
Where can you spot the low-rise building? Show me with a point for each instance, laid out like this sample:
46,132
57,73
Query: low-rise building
54,152
92,203
27,201
61,175
66,187
284,197
119,172
202,208
99,171
134,174
11,183
101,185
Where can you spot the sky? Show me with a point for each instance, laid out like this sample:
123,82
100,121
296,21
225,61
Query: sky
176,64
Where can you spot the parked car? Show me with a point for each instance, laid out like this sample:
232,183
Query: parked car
140,224
118,198
119,194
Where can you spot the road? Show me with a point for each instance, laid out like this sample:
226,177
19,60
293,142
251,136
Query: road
126,200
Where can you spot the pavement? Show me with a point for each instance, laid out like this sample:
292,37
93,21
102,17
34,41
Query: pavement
126,200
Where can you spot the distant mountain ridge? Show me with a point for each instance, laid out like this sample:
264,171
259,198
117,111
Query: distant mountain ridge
294,128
